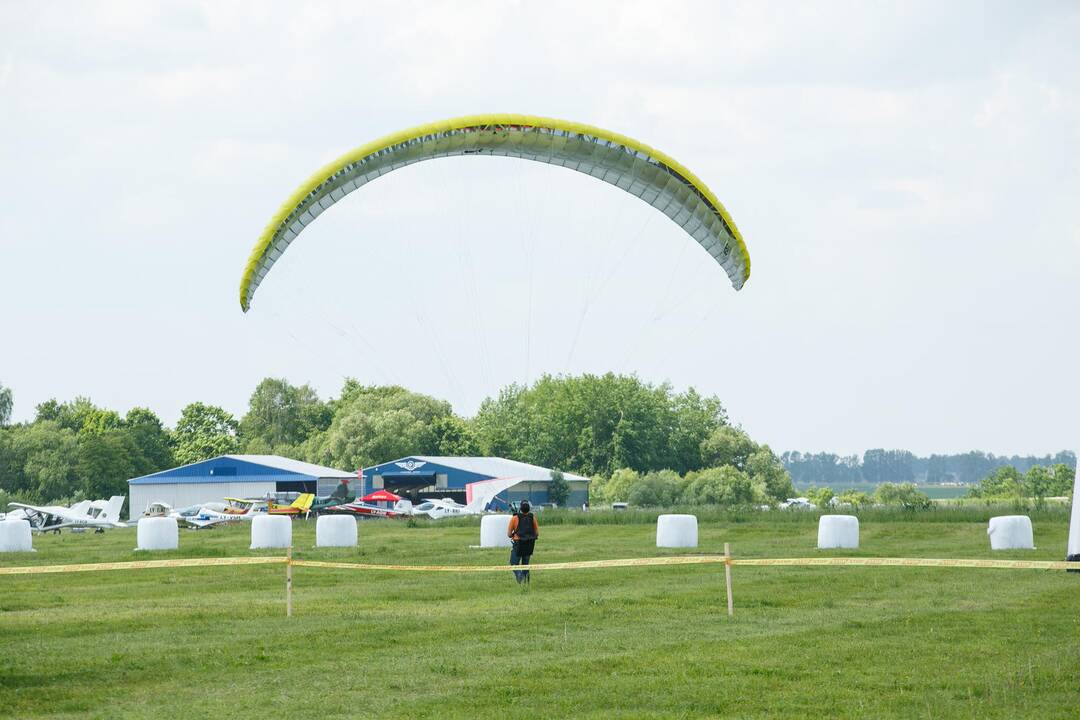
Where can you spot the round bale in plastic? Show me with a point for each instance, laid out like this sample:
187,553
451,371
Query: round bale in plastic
1011,532
676,531
493,531
271,531
158,533
838,531
335,531
15,536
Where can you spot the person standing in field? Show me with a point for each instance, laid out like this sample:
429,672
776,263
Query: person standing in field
523,532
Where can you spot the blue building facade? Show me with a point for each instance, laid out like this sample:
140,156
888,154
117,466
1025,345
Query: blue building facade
426,476
242,476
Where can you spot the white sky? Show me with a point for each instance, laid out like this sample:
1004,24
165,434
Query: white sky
905,176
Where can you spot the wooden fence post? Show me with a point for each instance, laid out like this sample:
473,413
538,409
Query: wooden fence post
727,579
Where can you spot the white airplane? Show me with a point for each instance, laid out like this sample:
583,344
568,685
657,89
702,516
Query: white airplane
216,513
478,496
97,514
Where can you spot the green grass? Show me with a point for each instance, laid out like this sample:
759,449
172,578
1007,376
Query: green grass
640,642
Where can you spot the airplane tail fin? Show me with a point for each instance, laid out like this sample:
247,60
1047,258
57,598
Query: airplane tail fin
112,510
303,502
480,494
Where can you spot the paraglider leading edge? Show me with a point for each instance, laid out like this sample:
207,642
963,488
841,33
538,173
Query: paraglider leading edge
614,158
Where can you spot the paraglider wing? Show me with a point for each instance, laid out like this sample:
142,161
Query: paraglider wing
616,159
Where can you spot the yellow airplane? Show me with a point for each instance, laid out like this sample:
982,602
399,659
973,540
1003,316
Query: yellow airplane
300,506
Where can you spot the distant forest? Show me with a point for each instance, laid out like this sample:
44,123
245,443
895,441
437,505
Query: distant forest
896,466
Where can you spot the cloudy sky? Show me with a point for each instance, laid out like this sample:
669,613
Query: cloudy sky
905,176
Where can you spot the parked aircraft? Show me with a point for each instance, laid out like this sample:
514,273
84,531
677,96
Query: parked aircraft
342,494
232,510
401,508
478,496
97,514
300,506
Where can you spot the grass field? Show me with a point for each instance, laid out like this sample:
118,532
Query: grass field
641,642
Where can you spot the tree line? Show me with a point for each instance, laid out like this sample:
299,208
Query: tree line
643,443
1024,488
900,466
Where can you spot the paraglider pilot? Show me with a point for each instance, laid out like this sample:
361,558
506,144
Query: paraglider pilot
523,532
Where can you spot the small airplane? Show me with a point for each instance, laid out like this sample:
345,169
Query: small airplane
97,514
342,494
478,495
402,508
300,506
232,510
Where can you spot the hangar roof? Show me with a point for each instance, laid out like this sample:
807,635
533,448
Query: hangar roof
242,468
493,467
294,466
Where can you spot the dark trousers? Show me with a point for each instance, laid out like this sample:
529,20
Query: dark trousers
520,554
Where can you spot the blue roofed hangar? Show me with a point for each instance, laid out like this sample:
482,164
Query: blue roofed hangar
240,476
430,476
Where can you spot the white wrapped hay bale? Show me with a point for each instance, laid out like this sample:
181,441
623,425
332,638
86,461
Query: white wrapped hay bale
1011,532
676,531
271,531
158,533
335,531
15,536
493,531
838,531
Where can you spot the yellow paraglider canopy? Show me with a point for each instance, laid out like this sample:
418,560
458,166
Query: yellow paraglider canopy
624,162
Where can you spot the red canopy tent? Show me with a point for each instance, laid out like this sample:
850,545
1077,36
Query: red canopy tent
381,496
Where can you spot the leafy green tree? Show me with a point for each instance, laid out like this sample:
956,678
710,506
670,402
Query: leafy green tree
280,415
558,488
204,431
594,424
454,436
655,489
376,424
726,486
887,466
764,467
1037,483
153,450
854,498
79,415
727,445
822,497
1062,478
6,403
694,418
1003,483
105,462
822,468
40,464
906,495
617,487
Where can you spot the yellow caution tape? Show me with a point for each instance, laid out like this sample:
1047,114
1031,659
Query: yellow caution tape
140,565
576,565
914,562
703,559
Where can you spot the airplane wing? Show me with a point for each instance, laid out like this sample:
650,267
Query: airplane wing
38,517
479,494
199,523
